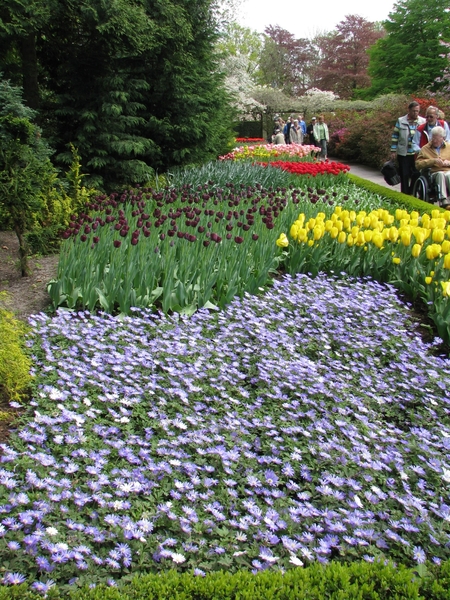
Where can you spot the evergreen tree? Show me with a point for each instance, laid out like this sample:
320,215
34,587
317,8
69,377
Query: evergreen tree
411,56
25,167
132,84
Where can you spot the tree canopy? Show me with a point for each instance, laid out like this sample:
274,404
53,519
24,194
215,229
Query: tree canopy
344,57
411,56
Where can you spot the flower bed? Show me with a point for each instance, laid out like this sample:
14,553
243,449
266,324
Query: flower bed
308,168
270,151
292,427
410,250
249,140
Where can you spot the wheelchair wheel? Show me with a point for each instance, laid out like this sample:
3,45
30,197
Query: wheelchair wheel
420,189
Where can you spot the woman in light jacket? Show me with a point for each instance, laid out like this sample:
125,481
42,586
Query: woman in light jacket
322,136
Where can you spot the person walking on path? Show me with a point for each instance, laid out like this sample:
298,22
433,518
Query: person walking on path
402,146
322,136
296,133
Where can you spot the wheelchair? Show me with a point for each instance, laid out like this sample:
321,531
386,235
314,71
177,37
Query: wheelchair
426,188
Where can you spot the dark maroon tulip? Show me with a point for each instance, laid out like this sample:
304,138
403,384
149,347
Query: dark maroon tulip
255,236
96,239
83,238
238,239
229,236
117,243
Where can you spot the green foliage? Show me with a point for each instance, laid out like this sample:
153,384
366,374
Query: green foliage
25,168
14,363
365,137
356,581
411,56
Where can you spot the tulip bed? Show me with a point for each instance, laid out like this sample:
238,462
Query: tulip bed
266,152
308,168
185,246
249,140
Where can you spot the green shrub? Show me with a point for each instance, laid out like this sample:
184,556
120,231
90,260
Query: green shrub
335,581
14,363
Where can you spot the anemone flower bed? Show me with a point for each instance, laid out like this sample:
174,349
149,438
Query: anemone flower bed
271,151
307,424
309,168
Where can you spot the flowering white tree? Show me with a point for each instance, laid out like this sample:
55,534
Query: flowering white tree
241,86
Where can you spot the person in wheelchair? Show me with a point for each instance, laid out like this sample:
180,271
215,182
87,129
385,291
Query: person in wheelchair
436,156
423,132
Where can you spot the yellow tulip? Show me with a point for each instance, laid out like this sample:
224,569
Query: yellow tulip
419,235
396,260
368,234
334,232
294,230
432,251
350,240
342,237
318,232
447,261
406,238
446,288
282,241
310,242
414,214
302,235
415,250
438,235
338,210
428,280
393,234
328,225
435,213
360,240
311,223
445,247
377,239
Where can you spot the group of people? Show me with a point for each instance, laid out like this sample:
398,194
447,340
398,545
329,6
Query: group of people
295,131
421,143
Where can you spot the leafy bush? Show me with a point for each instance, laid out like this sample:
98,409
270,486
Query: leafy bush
14,363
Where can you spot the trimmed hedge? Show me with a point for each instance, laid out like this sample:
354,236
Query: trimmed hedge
409,202
334,581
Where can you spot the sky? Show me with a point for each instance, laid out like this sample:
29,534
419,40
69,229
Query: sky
307,18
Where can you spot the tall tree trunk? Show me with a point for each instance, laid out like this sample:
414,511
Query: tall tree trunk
30,70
